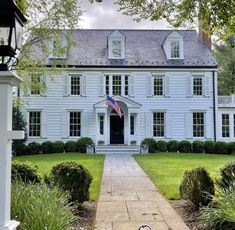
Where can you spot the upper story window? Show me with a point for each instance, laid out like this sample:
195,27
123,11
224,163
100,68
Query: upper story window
197,85
75,84
173,46
58,47
158,85
117,85
175,49
116,45
35,85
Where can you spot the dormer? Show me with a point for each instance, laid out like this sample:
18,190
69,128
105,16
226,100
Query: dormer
116,45
173,46
58,47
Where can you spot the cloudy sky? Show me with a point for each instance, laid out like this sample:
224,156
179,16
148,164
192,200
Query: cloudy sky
105,15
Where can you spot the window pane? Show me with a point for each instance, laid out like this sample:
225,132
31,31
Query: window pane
197,85
225,125
34,124
158,85
75,84
117,85
107,85
198,124
158,124
75,124
175,49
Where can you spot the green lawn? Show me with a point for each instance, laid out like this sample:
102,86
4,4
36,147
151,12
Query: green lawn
166,169
94,163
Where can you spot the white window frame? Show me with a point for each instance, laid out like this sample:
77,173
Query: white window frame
172,49
164,124
225,125
79,76
74,111
110,48
204,124
162,77
33,111
202,77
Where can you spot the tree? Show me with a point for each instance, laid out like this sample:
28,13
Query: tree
225,55
217,15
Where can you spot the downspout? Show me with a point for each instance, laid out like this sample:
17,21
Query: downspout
214,105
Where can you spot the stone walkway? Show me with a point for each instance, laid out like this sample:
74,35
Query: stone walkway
128,199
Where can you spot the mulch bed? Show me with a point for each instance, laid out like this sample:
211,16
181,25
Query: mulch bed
188,213
86,216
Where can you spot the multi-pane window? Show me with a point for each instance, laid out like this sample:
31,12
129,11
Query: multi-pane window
75,84
225,125
132,125
126,87
107,84
158,124
117,85
116,48
35,85
75,124
198,125
197,85
175,49
34,124
158,85
102,125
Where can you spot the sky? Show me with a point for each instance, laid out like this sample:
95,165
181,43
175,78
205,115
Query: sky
105,15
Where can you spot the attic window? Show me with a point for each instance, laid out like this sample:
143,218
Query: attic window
175,49
116,48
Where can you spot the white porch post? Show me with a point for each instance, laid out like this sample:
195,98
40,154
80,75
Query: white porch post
7,80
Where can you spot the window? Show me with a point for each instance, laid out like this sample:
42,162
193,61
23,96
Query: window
75,84
132,125
197,85
158,85
116,48
35,124
126,89
101,125
198,125
107,85
225,125
117,85
35,85
58,47
175,49
75,124
158,124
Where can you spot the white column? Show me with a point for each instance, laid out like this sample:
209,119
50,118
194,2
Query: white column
7,80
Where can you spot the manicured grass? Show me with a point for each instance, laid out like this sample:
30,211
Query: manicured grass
94,163
166,169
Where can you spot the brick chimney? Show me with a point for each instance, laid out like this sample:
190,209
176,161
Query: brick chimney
204,37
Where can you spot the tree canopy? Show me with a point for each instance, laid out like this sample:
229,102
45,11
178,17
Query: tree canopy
217,15
225,55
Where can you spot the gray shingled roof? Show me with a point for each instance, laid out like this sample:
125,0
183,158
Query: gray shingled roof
143,48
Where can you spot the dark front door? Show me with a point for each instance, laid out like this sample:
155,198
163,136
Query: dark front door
116,129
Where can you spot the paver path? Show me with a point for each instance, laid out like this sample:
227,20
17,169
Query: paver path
128,199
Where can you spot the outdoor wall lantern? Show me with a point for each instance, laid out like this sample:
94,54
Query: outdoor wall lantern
11,31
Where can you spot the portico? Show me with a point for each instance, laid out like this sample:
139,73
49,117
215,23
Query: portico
111,129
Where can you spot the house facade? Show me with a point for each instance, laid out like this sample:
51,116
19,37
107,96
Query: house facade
165,83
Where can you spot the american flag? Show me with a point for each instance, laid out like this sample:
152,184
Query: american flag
113,104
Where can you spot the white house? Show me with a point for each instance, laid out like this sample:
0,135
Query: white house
164,81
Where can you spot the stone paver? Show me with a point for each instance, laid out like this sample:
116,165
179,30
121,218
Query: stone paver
128,199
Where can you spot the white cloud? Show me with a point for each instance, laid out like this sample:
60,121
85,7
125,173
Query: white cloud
105,15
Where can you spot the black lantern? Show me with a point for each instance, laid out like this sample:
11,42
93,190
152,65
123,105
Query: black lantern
11,29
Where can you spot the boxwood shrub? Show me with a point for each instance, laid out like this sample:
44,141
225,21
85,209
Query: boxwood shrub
184,146
74,178
47,147
58,147
70,146
82,143
161,146
151,143
172,146
25,171
34,148
209,147
227,175
19,148
196,185
221,147
230,147
198,146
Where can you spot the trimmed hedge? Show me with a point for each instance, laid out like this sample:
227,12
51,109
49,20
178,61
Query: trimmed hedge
161,146
221,147
151,143
74,178
70,146
209,147
196,185
34,148
58,147
198,146
172,146
185,146
25,171
82,143
47,147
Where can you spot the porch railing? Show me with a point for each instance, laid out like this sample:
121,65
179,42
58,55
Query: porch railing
226,101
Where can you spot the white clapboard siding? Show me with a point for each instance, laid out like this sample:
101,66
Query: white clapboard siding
101,85
131,85
149,118
83,85
188,125
168,125
67,82
207,86
64,124
167,85
44,124
84,124
149,85
189,84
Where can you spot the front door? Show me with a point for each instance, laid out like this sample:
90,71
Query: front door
116,129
